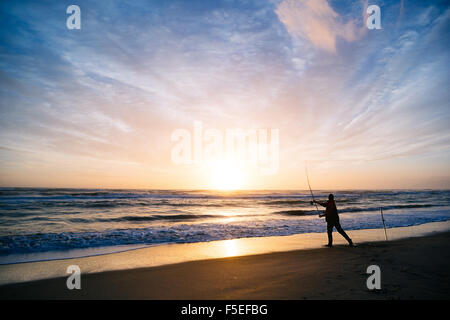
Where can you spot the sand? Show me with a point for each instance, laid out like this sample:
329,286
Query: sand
414,268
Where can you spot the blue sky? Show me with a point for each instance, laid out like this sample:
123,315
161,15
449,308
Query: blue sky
96,107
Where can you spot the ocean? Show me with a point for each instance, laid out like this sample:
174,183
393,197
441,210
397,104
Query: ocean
40,220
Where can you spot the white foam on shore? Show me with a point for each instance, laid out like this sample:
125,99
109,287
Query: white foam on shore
135,257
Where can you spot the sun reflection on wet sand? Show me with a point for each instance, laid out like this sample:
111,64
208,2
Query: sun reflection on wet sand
230,247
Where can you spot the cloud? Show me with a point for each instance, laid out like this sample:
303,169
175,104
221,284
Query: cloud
317,22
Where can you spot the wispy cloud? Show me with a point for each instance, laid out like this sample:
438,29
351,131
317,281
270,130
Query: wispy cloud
317,22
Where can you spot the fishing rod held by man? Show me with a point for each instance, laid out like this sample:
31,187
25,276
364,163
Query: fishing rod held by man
332,219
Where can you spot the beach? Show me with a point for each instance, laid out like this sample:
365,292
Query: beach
411,268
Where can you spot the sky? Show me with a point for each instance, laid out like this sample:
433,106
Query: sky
97,107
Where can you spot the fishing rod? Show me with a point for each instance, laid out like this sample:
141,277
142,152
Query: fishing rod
310,190
384,226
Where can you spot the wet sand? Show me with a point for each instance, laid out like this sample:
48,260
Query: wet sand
414,268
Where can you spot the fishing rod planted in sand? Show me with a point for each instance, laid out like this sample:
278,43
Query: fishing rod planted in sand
310,190
384,226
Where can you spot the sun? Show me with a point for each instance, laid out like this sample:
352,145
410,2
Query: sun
227,175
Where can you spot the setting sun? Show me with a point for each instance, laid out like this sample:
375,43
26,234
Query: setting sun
226,175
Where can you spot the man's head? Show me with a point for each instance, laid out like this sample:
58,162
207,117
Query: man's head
331,197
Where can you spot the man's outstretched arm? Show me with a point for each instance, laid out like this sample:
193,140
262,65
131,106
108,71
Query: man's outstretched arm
323,204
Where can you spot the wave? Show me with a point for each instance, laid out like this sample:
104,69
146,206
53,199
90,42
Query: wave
300,212
194,233
357,209
385,208
295,212
286,202
180,217
132,218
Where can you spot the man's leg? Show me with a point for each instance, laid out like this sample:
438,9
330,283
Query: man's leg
342,232
330,226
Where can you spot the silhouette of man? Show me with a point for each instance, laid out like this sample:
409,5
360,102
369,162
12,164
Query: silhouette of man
332,219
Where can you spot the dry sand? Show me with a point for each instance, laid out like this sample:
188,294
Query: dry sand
415,268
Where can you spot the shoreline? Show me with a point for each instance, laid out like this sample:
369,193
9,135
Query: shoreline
169,254
412,268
